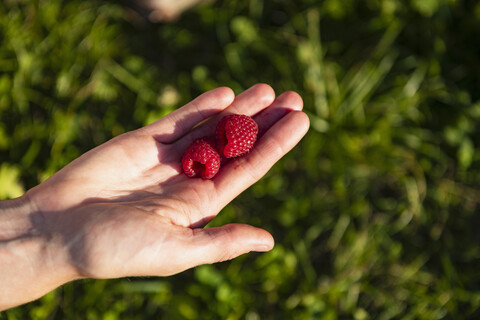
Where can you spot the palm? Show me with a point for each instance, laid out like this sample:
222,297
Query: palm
133,185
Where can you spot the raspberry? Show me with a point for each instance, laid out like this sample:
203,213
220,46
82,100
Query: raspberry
201,159
236,135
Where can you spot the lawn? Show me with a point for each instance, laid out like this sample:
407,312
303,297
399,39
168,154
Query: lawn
374,214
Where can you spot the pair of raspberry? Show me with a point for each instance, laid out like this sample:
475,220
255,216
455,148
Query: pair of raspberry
235,135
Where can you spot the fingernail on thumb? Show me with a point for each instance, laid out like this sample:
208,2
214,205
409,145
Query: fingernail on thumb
261,248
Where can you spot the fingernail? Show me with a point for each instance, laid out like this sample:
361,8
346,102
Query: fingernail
261,248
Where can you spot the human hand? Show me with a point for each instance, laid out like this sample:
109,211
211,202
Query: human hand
125,208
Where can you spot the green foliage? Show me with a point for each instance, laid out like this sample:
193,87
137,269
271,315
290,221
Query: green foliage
375,213
10,187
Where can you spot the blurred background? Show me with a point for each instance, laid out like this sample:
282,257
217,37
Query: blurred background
375,213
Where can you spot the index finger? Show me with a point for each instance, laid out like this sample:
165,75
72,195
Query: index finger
179,122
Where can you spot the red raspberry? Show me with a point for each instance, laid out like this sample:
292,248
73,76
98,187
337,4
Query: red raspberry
201,159
236,135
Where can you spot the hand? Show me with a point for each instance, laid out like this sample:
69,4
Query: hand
125,208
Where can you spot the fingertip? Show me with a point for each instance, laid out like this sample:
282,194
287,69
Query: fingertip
295,124
265,244
264,87
291,100
223,94
264,91
303,120
285,103
230,241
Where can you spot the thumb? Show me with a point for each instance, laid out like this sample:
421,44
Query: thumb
223,243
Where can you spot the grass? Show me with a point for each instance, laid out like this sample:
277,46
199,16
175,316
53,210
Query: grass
375,213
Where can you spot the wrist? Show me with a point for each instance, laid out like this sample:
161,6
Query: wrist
32,258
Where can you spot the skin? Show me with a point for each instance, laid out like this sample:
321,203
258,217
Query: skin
165,10
125,208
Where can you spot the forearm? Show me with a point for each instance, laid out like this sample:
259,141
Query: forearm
31,262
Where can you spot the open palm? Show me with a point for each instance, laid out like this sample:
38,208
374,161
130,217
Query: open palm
125,208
